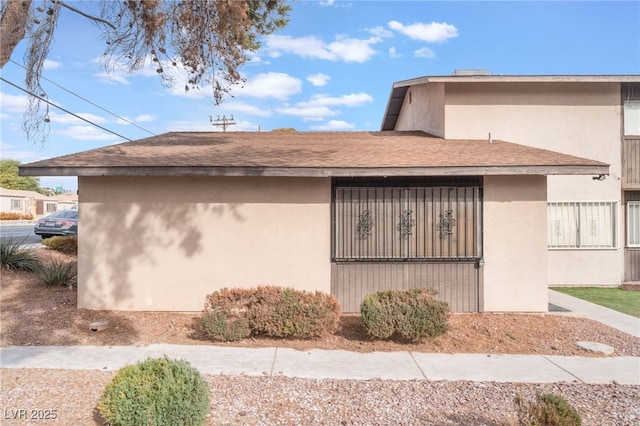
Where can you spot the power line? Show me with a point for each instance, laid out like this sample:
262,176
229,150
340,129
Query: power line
87,100
65,110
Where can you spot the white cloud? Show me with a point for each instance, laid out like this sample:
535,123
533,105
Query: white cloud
381,32
308,112
112,77
318,79
248,109
117,72
334,125
270,85
319,107
13,152
13,103
425,52
393,53
51,65
327,2
343,49
354,99
145,118
56,117
433,32
254,59
88,133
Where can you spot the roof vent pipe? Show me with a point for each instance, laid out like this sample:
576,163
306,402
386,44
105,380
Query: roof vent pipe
469,72
490,140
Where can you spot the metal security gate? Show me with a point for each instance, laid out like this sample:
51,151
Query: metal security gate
397,237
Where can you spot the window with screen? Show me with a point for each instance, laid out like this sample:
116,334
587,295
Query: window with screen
633,223
581,224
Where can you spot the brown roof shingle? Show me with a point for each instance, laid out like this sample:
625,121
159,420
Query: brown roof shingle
312,154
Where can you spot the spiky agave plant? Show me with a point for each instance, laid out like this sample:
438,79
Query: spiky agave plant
13,255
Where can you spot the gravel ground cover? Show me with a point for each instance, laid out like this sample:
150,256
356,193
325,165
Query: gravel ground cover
240,400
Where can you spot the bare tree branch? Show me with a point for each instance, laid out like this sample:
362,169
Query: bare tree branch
86,15
207,38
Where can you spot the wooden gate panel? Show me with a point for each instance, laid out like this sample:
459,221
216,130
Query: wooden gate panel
632,264
457,283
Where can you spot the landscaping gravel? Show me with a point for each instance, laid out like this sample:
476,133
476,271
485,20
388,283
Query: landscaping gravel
244,400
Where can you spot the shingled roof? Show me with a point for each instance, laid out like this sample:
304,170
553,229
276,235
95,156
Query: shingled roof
311,154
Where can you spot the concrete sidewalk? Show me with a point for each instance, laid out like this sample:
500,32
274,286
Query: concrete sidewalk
579,307
319,364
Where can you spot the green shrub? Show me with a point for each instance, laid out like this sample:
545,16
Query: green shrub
232,314
13,256
220,326
413,314
156,392
285,312
58,272
66,245
546,410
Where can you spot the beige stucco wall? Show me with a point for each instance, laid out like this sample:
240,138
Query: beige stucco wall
158,243
423,109
573,118
515,249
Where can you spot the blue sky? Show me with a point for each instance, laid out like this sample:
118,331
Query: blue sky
331,68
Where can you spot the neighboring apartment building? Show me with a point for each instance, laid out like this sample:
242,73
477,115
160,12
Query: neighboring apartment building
593,221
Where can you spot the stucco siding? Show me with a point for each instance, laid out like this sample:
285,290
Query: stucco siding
515,249
577,119
423,109
157,243
586,267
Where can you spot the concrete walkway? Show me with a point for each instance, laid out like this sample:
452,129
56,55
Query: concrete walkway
318,364
579,307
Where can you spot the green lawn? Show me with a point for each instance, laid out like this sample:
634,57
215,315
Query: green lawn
625,301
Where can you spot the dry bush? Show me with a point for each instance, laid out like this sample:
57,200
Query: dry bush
15,216
232,314
413,314
66,245
547,410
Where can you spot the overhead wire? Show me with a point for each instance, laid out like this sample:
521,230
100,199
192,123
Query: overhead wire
88,101
63,109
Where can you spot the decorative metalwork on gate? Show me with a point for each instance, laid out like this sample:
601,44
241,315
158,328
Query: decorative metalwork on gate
389,223
406,224
446,224
365,225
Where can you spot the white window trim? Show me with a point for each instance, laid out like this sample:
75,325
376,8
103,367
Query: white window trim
630,204
15,201
614,224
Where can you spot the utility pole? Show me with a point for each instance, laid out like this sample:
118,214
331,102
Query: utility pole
224,122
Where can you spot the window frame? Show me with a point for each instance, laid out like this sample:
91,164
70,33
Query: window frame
631,118
16,204
580,244
635,205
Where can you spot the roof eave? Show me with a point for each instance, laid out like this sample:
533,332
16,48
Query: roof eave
320,171
626,78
